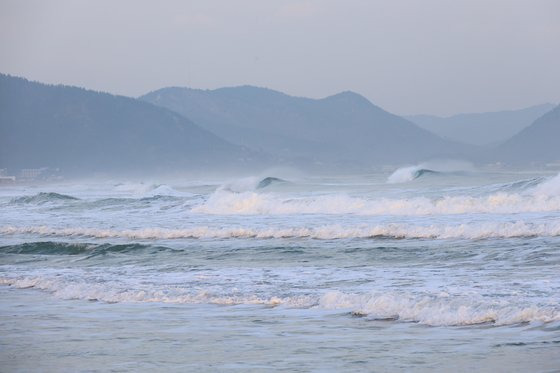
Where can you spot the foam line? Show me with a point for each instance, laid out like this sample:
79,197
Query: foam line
410,231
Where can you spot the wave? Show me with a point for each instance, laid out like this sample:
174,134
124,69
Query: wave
250,203
268,181
64,248
250,184
543,197
439,309
68,289
409,173
147,190
43,197
520,185
487,230
405,174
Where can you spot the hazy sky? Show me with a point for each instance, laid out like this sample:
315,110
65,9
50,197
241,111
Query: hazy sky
437,57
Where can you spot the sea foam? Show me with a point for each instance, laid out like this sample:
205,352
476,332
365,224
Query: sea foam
426,308
542,198
475,230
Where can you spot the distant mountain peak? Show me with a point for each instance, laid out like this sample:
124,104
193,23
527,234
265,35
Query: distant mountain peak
348,96
488,128
342,127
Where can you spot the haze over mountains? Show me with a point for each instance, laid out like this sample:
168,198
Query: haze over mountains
489,128
244,128
344,128
81,131
540,142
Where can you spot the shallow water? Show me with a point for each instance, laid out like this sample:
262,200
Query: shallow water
312,274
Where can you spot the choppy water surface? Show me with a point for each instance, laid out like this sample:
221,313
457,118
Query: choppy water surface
302,274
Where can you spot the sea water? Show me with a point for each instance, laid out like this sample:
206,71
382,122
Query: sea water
457,271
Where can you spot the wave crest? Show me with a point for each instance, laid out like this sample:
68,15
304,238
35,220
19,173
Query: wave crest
44,197
428,309
437,310
543,197
486,230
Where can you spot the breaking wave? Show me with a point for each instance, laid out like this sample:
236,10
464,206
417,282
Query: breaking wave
405,174
440,309
429,309
250,184
486,230
269,181
449,167
540,198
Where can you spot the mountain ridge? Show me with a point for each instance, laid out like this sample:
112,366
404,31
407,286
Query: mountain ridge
83,131
342,126
484,129
538,142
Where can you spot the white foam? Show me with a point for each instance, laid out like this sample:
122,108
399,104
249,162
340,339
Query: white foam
441,309
428,309
241,185
543,198
250,203
116,293
549,188
480,230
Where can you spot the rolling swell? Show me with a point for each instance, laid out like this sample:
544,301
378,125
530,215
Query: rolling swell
43,197
64,248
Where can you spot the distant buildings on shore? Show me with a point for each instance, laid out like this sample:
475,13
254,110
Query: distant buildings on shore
29,174
5,178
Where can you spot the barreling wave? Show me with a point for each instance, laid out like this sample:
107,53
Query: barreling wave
543,197
429,309
449,167
250,184
43,197
485,230
405,174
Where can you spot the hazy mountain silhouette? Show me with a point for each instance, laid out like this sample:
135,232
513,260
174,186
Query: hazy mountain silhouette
342,128
81,131
540,142
481,128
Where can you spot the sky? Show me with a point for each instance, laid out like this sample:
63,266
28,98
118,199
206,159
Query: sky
409,57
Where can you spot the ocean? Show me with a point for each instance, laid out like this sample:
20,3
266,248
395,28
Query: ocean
415,271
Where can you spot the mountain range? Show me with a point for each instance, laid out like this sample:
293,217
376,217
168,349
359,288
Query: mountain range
241,128
536,144
491,128
82,131
344,128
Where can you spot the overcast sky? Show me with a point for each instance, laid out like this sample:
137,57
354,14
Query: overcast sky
436,57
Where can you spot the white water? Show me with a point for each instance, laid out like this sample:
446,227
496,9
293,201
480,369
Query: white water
471,258
327,232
